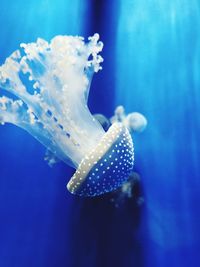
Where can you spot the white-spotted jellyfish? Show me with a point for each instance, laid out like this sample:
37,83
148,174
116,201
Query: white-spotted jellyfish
44,88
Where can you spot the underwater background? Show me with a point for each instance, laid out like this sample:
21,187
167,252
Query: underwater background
151,65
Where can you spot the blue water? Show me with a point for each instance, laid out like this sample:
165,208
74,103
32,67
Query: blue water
152,64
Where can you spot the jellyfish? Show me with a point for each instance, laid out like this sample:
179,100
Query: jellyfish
135,121
45,87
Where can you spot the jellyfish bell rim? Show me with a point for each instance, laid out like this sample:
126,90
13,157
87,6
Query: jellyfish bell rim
89,180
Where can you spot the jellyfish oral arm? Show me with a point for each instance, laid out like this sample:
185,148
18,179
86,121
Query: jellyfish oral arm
51,81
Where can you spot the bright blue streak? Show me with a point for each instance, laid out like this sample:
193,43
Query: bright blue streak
158,66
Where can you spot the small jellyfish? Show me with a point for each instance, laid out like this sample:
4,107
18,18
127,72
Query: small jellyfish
48,87
135,121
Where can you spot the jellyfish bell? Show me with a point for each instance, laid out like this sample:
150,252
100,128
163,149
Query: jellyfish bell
50,83
136,122
107,166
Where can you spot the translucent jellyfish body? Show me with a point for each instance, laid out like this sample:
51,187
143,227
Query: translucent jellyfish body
135,121
48,86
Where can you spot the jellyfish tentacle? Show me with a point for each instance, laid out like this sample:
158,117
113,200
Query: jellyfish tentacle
13,111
